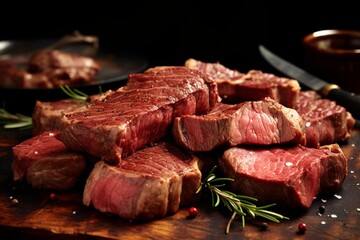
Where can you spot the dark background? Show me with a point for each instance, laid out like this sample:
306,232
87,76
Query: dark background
169,32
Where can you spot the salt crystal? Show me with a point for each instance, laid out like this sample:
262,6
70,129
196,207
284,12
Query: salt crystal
288,164
358,209
323,222
333,216
338,196
323,200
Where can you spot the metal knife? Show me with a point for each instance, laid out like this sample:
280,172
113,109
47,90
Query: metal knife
348,100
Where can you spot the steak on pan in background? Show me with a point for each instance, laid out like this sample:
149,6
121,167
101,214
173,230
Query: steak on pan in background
45,162
151,183
290,177
139,113
252,122
48,69
63,68
236,87
325,121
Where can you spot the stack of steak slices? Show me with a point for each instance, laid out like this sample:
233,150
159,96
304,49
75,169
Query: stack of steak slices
45,162
140,177
296,180
139,113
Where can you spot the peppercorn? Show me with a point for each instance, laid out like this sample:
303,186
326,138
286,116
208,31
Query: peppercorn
263,226
321,209
302,228
52,196
14,202
193,211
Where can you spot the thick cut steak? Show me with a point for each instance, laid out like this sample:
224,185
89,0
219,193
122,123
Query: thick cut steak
325,121
47,163
253,122
150,183
236,87
290,177
47,116
139,113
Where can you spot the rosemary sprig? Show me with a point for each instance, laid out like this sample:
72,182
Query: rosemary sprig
237,204
9,120
74,93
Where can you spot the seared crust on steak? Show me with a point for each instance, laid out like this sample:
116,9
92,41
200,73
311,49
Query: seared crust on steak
47,116
236,87
139,113
325,121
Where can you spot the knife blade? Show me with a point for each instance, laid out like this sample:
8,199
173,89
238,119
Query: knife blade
348,100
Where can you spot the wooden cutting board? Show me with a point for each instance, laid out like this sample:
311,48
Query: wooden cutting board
37,216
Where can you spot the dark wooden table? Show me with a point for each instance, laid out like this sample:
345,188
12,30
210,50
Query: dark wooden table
36,216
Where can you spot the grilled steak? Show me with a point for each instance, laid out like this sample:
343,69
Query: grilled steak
63,68
47,116
325,121
48,69
46,162
236,87
149,184
14,77
290,177
253,122
139,113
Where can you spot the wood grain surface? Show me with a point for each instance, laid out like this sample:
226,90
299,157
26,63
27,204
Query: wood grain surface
37,216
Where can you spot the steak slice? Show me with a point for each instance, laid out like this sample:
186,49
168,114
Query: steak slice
236,87
47,116
290,177
252,122
325,121
47,163
139,113
149,184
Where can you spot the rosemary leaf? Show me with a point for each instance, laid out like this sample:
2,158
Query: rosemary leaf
11,121
74,93
237,204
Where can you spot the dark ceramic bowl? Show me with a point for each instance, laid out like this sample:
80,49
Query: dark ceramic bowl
334,55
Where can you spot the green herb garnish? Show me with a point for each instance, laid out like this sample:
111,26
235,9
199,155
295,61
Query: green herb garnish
9,120
237,204
74,93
